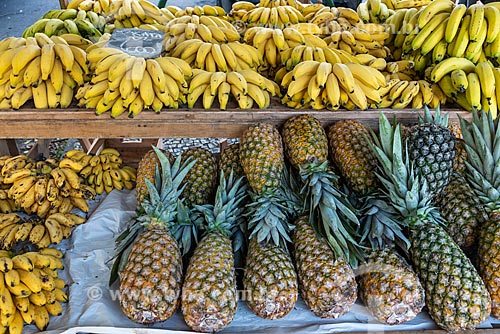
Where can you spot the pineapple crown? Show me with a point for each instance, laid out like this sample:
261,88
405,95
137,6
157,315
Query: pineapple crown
407,191
225,213
186,227
330,213
268,218
160,206
438,118
379,224
482,144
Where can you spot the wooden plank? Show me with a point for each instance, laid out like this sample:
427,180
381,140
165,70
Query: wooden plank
190,123
8,146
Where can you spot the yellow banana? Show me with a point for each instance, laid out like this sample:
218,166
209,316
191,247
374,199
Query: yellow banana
344,76
450,64
431,10
453,24
476,11
484,71
473,92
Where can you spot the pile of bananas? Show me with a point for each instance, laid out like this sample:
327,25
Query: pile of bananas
212,57
44,69
103,172
205,10
293,56
442,30
205,28
30,289
15,228
374,11
68,21
246,86
42,187
473,87
124,83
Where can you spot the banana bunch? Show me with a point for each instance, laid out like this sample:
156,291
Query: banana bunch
473,88
401,69
103,172
46,70
272,17
231,56
405,4
205,28
246,86
16,228
205,10
96,6
359,39
372,61
133,13
294,56
124,83
43,188
374,11
401,93
30,289
280,3
68,21
320,85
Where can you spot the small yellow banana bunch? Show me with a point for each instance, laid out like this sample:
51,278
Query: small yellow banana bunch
213,57
246,86
43,188
275,16
45,70
472,87
133,13
53,229
96,6
294,56
375,11
124,83
103,172
210,29
320,85
30,288
205,10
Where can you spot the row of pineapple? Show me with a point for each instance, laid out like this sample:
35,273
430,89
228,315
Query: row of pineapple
306,211
216,65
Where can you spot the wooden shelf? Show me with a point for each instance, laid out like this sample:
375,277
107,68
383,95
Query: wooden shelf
188,123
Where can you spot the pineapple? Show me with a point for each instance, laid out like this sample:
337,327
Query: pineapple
481,139
270,278
230,160
209,299
306,147
327,283
146,170
200,182
432,148
352,156
455,295
461,155
150,281
463,212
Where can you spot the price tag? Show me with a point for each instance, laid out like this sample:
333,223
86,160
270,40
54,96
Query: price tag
137,42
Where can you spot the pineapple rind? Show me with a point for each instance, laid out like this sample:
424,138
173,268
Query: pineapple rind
209,299
270,281
389,288
327,284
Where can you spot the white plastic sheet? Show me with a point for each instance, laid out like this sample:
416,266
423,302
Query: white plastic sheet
93,307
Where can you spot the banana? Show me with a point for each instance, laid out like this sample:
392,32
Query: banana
492,16
7,305
345,77
36,233
367,75
426,30
23,263
474,48
333,91
12,278
24,57
6,264
80,203
397,90
486,79
324,69
223,96
450,64
201,55
454,21
237,80
459,80
431,10
19,188
59,177
45,241
40,317
476,11
33,73
473,92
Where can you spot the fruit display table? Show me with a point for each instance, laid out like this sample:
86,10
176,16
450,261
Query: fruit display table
94,307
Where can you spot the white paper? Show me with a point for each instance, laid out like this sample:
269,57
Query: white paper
94,308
